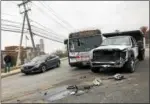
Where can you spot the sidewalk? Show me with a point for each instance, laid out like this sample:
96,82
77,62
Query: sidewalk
16,71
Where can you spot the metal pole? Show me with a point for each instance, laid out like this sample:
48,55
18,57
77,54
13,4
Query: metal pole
21,38
29,26
26,42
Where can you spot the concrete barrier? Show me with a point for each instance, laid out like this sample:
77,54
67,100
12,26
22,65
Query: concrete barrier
16,71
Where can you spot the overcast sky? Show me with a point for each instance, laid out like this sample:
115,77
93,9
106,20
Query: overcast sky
105,15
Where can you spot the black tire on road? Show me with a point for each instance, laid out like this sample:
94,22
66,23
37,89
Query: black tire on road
26,73
95,70
130,65
43,68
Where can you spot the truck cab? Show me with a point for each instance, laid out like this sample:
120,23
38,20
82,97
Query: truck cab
119,50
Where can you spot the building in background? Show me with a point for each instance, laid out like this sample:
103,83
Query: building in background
26,53
38,49
13,52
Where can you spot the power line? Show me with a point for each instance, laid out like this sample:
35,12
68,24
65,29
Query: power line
48,29
14,2
16,31
49,16
16,26
11,26
56,15
10,21
46,32
35,30
9,14
11,30
47,38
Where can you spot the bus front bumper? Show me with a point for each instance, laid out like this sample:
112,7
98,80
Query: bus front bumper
83,63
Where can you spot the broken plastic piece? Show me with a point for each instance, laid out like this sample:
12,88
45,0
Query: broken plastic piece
72,93
118,77
97,82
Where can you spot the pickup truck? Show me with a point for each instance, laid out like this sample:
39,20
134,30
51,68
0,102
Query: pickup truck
118,50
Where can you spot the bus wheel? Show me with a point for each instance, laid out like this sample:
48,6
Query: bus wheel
95,70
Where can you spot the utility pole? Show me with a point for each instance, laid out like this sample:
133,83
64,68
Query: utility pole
21,38
29,28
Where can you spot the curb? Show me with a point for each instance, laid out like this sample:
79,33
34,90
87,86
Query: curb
3,76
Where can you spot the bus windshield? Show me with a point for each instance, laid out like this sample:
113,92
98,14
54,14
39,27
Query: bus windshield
85,43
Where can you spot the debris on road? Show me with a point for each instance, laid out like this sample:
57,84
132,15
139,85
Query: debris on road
117,77
82,77
45,93
71,87
81,89
79,93
72,93
97,82
78,89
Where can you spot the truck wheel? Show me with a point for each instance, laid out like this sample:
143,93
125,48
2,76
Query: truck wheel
130,65
95,70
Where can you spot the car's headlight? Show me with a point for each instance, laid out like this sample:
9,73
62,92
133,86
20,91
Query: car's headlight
124,53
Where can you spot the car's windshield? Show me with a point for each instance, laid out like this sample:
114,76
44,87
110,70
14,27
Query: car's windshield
117,40
84,44
39,58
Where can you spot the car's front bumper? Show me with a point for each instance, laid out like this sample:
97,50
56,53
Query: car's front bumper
33,70
107,64
80,63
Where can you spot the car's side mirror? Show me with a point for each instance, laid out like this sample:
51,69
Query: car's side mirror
65,41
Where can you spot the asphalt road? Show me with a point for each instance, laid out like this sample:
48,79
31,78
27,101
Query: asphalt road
32,88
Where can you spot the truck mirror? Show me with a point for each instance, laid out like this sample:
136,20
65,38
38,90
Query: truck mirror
65,41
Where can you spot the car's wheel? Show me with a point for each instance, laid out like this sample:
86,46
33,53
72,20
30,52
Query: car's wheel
43,68
130,65
26,73
95,70
58,64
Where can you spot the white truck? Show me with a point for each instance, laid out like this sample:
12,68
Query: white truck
118,50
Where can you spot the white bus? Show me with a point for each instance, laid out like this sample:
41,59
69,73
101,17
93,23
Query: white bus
79,44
